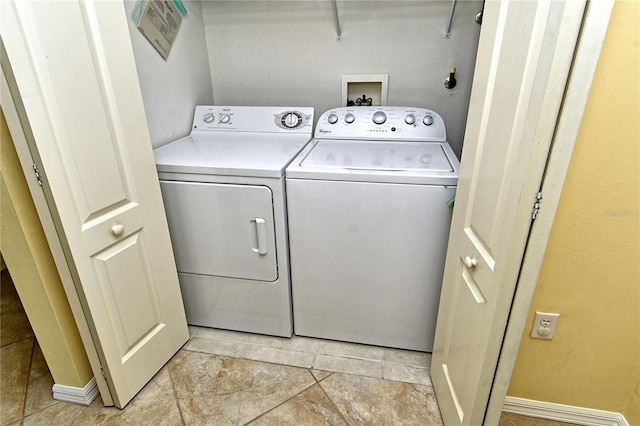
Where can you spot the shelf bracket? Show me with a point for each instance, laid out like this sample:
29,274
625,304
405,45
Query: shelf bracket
336,19
447,34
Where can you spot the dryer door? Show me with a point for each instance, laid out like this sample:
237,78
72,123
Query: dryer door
222,229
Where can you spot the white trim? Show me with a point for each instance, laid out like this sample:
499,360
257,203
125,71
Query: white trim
84,396
562,413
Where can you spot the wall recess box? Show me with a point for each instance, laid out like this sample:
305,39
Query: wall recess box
372,86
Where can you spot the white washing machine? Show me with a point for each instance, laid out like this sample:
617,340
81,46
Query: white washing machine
224,193
369,207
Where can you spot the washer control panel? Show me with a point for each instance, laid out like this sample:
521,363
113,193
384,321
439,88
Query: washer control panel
253,119
382,123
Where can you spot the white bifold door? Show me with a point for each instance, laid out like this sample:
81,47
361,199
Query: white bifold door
73,80
524,58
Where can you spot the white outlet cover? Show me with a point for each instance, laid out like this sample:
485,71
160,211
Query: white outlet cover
544,325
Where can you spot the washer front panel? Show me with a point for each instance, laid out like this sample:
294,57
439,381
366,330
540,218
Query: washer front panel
367,260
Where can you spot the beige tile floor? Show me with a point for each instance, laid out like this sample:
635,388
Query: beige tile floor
229,378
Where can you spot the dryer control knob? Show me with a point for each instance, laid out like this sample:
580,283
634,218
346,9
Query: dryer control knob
379,117
349,118
291,120
410,119
208,118
225,118
428,120
333,119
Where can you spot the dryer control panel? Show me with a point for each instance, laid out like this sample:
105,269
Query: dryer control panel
381,123
261,119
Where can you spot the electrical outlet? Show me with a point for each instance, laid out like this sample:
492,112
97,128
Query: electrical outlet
544,325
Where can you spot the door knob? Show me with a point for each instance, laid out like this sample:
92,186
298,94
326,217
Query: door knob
470,262
117,230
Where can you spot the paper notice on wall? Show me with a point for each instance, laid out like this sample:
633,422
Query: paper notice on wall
159,21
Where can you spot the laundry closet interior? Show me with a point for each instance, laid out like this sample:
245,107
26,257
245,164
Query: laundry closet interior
299,55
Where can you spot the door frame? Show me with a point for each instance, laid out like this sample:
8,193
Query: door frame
586,55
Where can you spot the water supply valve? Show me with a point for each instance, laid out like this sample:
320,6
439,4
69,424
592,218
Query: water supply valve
450,82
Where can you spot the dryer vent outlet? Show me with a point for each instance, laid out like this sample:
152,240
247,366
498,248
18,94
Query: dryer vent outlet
364,90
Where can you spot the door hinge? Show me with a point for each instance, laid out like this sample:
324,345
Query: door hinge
104,375
536,206
35,170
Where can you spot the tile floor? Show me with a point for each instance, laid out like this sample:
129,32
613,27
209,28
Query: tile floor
229,378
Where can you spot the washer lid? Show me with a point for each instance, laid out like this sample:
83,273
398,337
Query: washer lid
367,155
230,154
420,163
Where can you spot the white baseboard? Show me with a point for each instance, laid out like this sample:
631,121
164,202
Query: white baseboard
563,413
84,396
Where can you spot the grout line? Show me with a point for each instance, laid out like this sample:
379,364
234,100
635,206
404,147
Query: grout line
17,341
26,386
331,373
284,402
351,357
220,355
334,404
173,389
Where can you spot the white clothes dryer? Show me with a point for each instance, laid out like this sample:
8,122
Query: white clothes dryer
224,194
369,208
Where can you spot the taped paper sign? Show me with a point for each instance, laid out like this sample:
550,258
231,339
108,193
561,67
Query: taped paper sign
159,21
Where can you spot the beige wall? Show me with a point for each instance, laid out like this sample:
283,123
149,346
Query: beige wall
591,273
28,258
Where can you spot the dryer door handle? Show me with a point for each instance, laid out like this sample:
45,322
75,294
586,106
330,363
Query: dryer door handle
261,236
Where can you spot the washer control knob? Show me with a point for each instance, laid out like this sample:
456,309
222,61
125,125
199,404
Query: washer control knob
349,118
208,118
333,119
291,120
225,118
379,117
410,119
428,120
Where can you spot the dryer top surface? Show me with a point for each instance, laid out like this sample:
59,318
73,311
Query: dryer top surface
230,153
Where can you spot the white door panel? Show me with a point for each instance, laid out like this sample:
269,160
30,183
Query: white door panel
524,58
76,77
